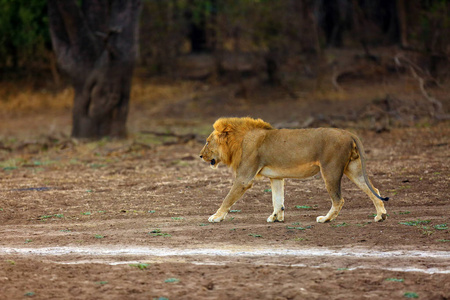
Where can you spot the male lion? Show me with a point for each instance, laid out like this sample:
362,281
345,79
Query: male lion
252,148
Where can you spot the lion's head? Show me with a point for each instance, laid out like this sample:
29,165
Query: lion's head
211,150
224,144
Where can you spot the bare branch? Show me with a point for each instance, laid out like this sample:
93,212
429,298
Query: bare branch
437,105
334,78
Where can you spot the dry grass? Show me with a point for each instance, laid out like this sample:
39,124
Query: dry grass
15,98
20,97
151,91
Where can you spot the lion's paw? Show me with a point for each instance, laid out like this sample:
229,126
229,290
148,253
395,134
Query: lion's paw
216,218
279,217
322,219
380,218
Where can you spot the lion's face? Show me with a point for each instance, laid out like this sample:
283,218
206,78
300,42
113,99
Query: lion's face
210,151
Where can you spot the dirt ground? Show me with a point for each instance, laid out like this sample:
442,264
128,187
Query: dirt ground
128,219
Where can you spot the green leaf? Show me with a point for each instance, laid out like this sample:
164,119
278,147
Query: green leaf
9,168
140,266
415,223
299,228
395,279
303,207
51,216
441,226
411,295
172,280
157,232
255,235
339,225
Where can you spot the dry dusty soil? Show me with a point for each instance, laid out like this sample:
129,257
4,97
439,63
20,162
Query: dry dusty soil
128,219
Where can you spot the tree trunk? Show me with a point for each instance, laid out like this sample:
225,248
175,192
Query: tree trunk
96,45
403,24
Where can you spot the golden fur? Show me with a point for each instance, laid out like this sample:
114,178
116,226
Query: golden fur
230,132
252,148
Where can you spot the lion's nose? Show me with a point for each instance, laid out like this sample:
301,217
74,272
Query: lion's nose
201,156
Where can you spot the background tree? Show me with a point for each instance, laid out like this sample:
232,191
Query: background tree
250,42
96,44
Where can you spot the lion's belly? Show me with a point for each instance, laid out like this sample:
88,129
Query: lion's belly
299,171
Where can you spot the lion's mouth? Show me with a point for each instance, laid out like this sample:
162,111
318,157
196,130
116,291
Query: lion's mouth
213,163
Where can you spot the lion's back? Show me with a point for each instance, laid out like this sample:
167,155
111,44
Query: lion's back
288,145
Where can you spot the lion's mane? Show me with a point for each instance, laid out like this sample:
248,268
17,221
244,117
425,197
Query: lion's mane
230,133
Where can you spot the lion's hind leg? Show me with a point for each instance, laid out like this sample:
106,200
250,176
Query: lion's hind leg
277,200
355,173
332,178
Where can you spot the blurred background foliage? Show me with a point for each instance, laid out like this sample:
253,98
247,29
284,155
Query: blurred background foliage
24,35
211,38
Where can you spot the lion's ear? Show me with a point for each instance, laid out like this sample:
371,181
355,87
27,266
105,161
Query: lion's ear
226,128
221,126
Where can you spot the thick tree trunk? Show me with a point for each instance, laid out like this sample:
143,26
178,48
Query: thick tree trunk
96,45
101,102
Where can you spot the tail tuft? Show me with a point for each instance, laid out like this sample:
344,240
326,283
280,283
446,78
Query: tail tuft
384,199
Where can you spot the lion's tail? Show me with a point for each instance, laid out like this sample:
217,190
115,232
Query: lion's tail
360,148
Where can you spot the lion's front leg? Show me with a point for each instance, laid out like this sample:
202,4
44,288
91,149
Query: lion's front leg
217,217
277,200
237,191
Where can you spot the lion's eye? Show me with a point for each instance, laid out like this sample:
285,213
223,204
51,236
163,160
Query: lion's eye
207,143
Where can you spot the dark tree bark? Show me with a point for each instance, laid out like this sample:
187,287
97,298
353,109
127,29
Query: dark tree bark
96,44
401,15
332,18
197,29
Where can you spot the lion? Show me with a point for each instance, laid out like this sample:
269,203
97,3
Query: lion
252,148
